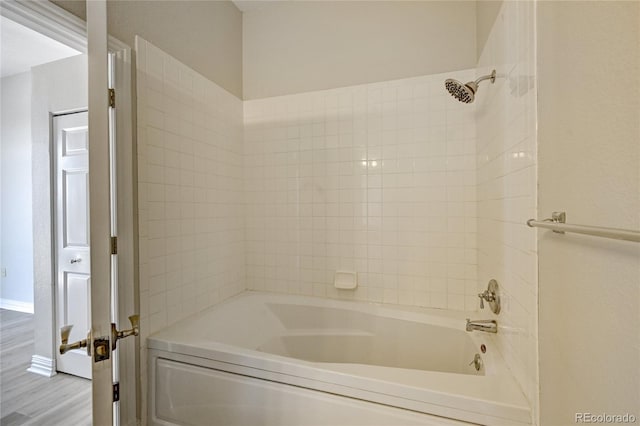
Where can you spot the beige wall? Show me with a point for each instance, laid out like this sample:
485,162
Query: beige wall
486,14
293,47
205,35
589,165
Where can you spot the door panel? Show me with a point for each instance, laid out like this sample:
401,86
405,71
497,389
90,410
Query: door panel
77,292
75,141
75,221
72,252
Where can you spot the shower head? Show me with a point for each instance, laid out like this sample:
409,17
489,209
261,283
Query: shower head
466,92
462,92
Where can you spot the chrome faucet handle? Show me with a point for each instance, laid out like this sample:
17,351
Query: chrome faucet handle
481,296
491,295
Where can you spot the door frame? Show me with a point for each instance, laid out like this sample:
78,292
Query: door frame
62,26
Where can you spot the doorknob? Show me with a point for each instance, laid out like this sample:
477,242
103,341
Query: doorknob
100,345
76,260
121,334
66,347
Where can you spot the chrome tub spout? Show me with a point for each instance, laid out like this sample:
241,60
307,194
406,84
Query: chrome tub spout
488,326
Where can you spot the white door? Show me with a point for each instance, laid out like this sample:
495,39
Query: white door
100,212
106,309
72,245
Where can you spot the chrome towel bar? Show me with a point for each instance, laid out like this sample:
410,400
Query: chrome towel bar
557,224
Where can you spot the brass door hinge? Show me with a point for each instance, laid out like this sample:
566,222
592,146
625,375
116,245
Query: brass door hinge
114,245
112,98
116,392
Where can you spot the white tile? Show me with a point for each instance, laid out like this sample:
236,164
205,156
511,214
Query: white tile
170,182
507,191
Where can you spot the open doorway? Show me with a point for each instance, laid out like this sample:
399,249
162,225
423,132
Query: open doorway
63,269
43,80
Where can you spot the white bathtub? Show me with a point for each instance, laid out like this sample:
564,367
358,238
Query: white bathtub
265,359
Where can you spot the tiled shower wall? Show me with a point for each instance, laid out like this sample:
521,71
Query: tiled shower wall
507,183
191,224
391,180
379,179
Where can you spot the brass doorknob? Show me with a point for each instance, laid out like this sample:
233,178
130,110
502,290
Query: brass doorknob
65,347
65,331
135,322
121,334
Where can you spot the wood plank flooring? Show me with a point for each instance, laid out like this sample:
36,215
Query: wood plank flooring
27,398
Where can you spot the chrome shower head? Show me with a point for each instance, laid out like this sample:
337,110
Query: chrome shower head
466,92
462,92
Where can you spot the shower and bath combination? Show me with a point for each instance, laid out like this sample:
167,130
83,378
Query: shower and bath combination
466,92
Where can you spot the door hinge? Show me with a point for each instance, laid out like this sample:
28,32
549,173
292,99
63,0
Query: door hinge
114,245
116,392
112,98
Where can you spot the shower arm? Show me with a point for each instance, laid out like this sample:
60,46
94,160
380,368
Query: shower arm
491,77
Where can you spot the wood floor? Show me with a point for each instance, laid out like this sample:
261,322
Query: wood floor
27,398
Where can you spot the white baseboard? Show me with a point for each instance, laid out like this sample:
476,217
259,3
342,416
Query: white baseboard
43,366
16,305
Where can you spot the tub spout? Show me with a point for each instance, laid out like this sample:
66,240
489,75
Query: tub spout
488,326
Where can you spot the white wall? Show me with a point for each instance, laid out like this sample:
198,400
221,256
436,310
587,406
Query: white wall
206,35
191,233
293,47
378,179
16,227
56,87
589,166
506,131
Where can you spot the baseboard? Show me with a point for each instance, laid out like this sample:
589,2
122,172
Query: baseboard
43,366
16,305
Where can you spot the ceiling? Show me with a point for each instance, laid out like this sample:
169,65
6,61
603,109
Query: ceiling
22,48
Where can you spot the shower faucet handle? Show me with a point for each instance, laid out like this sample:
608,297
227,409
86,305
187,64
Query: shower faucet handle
487,295
491,296
481,296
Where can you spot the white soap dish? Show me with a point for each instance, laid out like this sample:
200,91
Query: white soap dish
345,280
